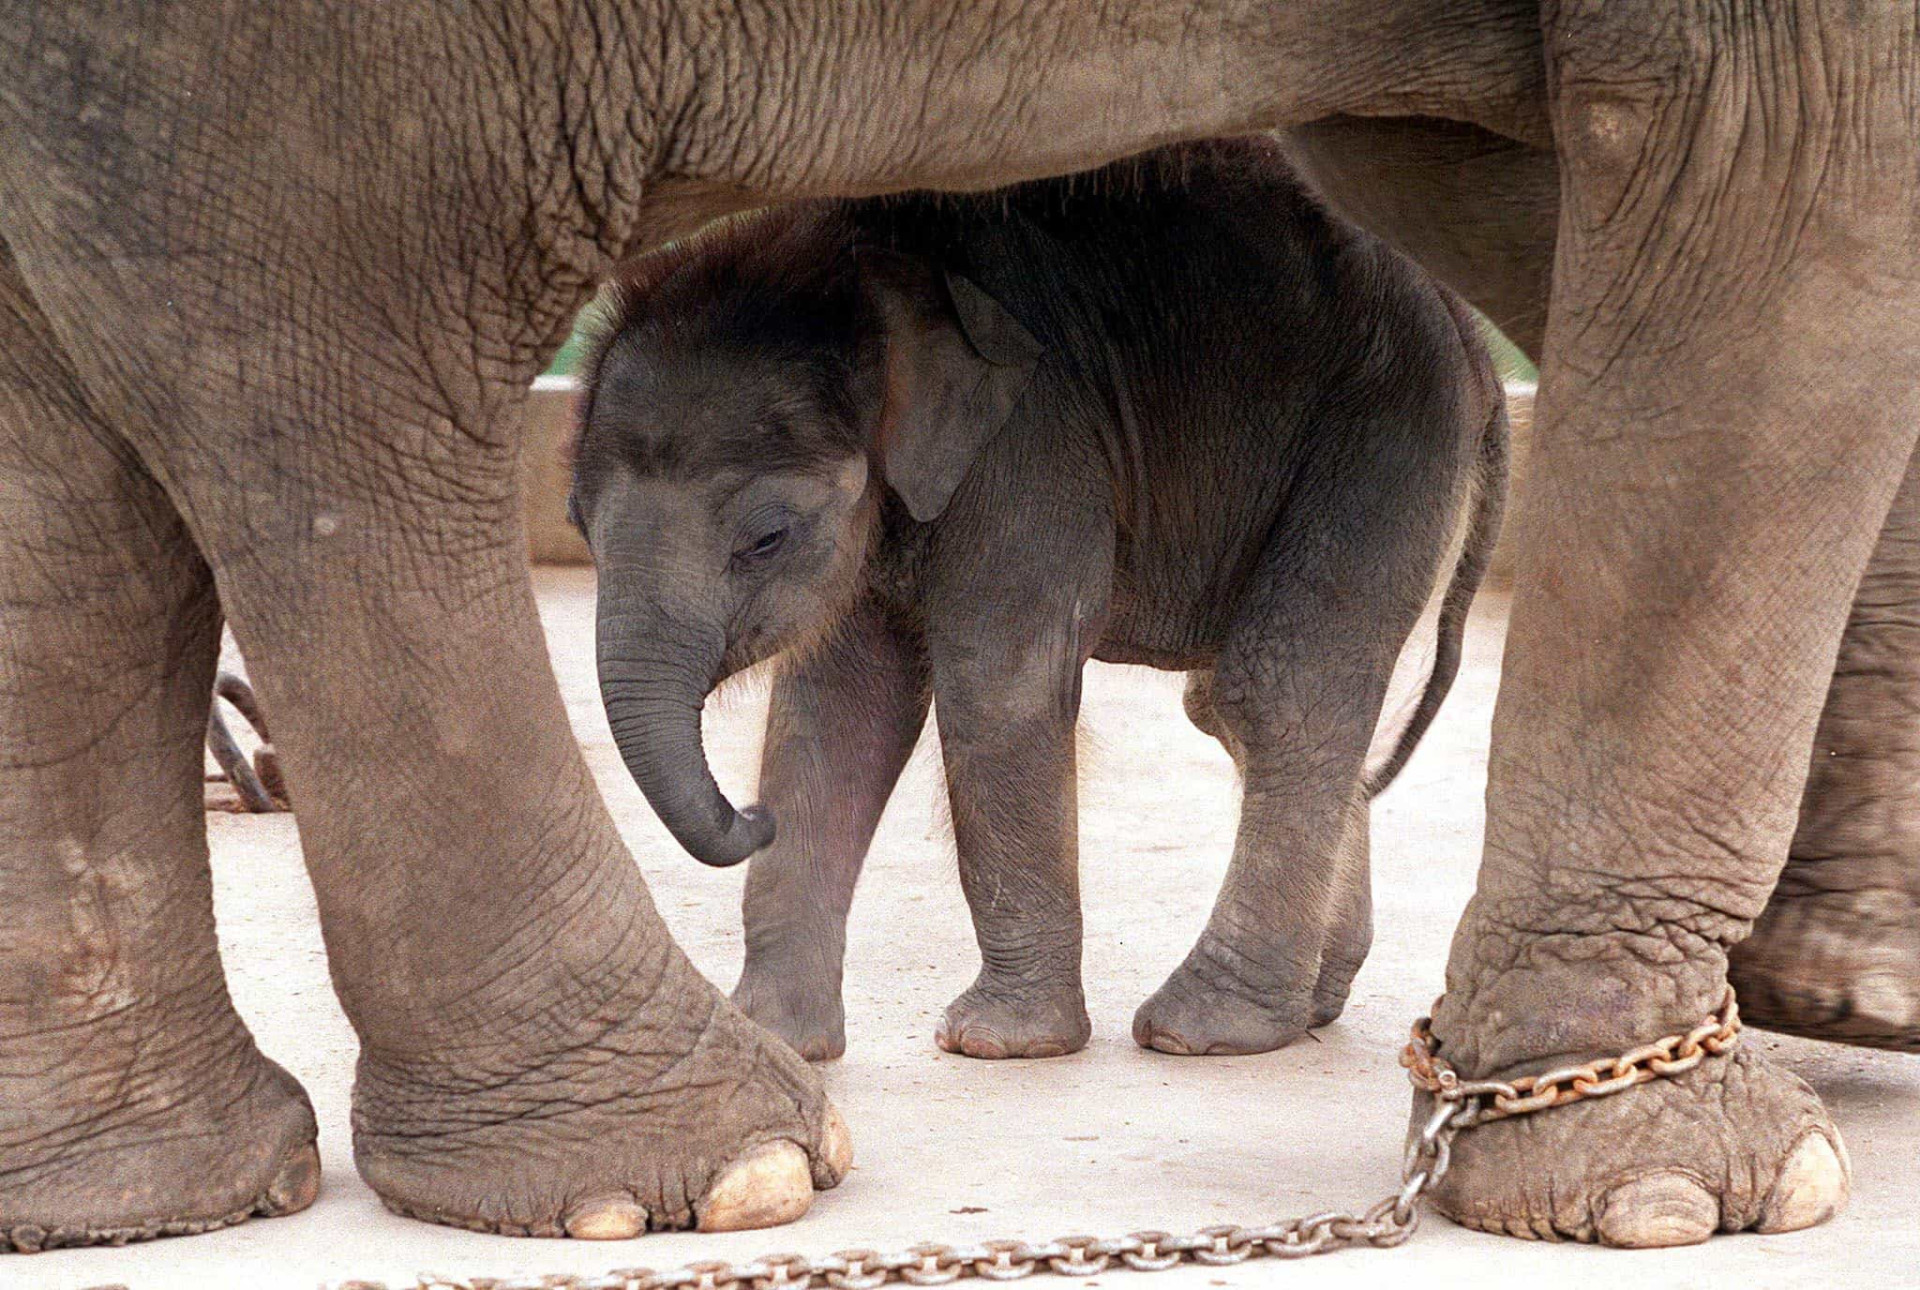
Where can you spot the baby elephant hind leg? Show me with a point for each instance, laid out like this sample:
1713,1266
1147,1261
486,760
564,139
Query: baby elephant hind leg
1350,921
133,1102
1292,923
1294,696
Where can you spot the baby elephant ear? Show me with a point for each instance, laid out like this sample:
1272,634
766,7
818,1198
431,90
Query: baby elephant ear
956,363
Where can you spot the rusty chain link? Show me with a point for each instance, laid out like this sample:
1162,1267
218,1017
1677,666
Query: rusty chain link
1459,1105
258,784
1498,1099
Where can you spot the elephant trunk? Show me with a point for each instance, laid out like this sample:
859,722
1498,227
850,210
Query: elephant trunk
654,678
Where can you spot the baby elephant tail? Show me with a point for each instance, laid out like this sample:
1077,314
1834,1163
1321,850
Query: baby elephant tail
1489,503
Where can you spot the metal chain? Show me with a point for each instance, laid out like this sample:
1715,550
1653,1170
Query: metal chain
1602,1077
1458,1105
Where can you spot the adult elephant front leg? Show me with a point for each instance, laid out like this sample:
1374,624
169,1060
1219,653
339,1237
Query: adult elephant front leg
1728,404
1836,954
538,1056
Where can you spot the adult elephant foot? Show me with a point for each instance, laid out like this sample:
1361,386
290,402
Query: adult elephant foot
680,1114
997,1018
1842,965
209,1140
1735,1144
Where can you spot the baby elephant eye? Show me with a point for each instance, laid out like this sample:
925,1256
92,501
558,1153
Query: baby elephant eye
765,546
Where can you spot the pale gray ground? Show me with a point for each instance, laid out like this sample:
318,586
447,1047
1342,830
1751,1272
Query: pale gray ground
1105,1141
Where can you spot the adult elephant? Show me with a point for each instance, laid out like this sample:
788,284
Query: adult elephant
275,280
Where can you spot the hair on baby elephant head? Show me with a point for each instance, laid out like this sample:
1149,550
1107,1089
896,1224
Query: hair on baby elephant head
752,393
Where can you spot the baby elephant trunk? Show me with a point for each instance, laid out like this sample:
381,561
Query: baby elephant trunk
654,678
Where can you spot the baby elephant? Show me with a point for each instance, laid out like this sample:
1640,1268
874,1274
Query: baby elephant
1173,413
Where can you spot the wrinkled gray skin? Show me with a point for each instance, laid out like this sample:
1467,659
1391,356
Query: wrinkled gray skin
1168,413
275,279
1171,413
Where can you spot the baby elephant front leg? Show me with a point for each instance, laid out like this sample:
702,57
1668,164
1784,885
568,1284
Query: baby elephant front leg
1009,750
842,724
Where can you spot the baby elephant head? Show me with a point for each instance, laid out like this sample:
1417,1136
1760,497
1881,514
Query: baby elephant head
755,392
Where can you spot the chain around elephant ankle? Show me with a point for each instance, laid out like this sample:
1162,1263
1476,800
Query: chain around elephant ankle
1460,1105
1493,1099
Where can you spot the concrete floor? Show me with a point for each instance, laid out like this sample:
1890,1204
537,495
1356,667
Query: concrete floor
1109,1140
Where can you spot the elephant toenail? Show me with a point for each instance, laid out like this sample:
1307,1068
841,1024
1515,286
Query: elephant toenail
1658,1209
770,1185
612,1217
295,1186
1812,1187
836,1151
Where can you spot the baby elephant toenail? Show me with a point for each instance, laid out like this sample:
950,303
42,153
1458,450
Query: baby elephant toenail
1658,1209
770,1185
606,1218
1812,1187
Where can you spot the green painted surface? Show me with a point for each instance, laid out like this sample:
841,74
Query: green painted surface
1513,365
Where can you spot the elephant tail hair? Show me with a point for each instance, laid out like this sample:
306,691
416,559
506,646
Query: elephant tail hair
1489,502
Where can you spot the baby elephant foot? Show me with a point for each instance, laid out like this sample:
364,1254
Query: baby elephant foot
1732,1145
1337,970
998,1018
806,1013
1212,1006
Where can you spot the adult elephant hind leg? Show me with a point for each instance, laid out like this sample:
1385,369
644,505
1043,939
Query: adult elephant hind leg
1729,401
133,1102
1836,953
